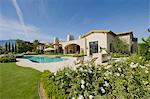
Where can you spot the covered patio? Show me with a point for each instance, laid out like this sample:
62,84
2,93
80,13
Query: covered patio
72,49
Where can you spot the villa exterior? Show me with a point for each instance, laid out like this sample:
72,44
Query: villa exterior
92,41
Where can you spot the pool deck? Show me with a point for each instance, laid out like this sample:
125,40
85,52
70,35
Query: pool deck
53,66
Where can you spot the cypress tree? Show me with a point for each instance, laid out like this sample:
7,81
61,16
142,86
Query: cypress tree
12,47
6,49
15,49
9,47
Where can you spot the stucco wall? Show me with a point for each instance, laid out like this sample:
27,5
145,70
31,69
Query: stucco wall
109,41
100,37
80,42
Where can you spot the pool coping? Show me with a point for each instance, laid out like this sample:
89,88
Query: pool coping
65,58
53,66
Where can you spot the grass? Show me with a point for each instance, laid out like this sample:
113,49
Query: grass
18,82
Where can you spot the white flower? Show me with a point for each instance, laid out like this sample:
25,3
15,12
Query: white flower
106,83
89,71
107,67
119,69
55,73
142,66
80,97
90,97
73,97
90,65
81,69
117,60
102,89
146,71
122,75
117,74
82,86
132,65
85,70
82,82
66,74
87,84
107,73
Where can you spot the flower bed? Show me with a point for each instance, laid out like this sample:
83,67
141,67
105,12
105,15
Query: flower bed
118,80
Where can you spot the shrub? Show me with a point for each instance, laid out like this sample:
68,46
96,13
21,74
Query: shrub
144,48
78,55
118,80
6,59
51,89
137,59
118,55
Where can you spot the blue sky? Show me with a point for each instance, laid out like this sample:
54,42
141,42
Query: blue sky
44,19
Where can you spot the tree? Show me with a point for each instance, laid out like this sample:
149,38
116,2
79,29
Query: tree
9,47
35,44
12,47
6,47
22,46
15,49
144,48
119,46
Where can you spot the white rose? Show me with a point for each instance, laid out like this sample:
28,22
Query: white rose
102,89
81,69
119,69
82,82
106,83
90,97
73,97
82,86
146,71
80,97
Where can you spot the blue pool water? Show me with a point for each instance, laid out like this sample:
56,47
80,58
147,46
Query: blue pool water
44,59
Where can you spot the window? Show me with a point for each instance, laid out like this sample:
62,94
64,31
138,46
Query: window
93,47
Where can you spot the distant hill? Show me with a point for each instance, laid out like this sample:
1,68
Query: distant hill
2,42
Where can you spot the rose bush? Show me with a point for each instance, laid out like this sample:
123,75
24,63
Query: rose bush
117,80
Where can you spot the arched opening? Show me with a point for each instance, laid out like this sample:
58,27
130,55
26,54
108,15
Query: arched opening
72,49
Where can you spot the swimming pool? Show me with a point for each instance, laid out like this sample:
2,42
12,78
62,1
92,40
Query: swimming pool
44,59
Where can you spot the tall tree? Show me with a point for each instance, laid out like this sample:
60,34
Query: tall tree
35,44
6,47
15,49
9,47
12,47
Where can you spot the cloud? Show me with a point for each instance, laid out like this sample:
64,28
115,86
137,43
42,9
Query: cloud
19,14
11,29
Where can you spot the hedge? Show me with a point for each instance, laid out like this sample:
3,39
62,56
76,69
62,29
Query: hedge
6,59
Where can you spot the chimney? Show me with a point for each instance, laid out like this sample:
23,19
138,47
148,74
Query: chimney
70,37
56,40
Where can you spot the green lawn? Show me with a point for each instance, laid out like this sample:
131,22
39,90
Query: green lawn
18,82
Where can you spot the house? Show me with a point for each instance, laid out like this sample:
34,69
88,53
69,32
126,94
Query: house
40,46
92,41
